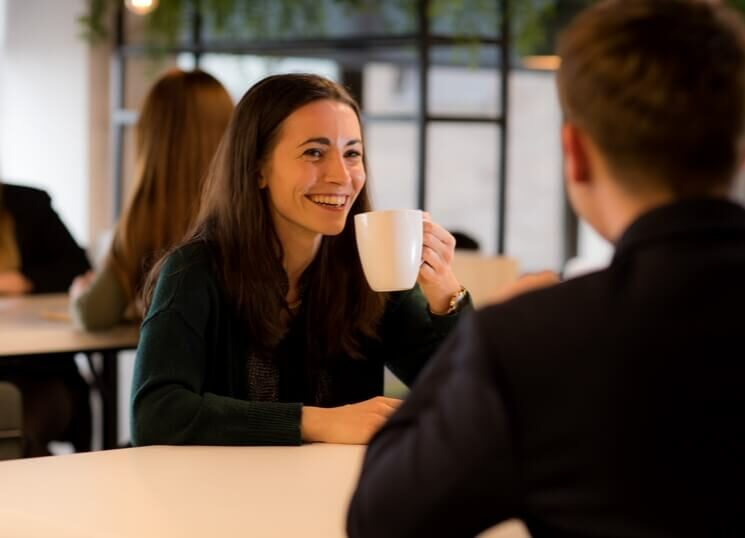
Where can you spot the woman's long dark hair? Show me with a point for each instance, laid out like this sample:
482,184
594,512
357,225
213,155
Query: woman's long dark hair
234,220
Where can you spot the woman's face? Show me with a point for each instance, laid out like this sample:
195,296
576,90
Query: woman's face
315,170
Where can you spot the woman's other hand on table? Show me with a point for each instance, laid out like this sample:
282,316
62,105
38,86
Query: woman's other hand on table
352,424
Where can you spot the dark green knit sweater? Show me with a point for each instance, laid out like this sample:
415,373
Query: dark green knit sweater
191,380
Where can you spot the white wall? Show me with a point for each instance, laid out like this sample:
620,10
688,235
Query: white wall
2,21
3,8
43,104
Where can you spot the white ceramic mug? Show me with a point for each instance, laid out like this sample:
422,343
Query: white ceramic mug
390,247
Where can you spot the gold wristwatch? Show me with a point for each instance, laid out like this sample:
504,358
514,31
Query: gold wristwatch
457,300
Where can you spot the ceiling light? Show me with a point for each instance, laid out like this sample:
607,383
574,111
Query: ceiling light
141,7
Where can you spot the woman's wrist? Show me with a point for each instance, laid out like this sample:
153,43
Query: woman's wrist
440,303
311,424
454,304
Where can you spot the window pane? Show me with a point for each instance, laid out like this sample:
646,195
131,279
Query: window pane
239,72
391,161
535,194
462,186
464,91
390,89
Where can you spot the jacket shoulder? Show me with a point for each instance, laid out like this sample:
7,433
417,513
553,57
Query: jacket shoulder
20,197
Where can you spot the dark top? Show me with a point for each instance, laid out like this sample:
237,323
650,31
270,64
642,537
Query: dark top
196,380
609,405
50,257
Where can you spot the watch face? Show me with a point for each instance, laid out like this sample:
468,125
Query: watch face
457,300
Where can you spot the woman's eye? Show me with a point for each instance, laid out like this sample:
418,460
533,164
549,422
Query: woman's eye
353,154
313,152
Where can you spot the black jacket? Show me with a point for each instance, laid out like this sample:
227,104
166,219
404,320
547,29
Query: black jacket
611,405
50,257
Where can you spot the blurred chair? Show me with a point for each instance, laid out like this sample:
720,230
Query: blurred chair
11,422
483,276
464,241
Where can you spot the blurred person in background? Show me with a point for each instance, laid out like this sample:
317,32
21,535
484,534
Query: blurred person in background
38,255
178,130
611,404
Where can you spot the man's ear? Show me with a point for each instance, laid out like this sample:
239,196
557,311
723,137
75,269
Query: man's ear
576,158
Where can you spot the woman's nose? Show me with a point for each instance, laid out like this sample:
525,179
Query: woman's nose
337,171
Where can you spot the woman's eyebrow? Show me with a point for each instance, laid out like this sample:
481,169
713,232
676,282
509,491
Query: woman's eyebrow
317,140
326,142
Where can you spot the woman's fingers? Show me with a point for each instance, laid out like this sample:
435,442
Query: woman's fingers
390,403
440,233
436,278
433,260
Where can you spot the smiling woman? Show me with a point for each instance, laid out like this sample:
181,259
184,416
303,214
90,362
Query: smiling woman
261,328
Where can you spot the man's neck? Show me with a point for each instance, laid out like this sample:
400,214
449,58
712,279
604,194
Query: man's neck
620,209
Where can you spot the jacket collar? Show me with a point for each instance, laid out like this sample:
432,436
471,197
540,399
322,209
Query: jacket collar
683,218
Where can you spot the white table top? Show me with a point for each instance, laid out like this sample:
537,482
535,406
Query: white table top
194,491
39,324
181,491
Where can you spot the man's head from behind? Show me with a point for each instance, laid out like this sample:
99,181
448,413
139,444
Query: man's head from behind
653,96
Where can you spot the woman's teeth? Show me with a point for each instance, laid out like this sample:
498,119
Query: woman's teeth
328,200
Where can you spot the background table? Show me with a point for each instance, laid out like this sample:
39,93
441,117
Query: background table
187,492
38,324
